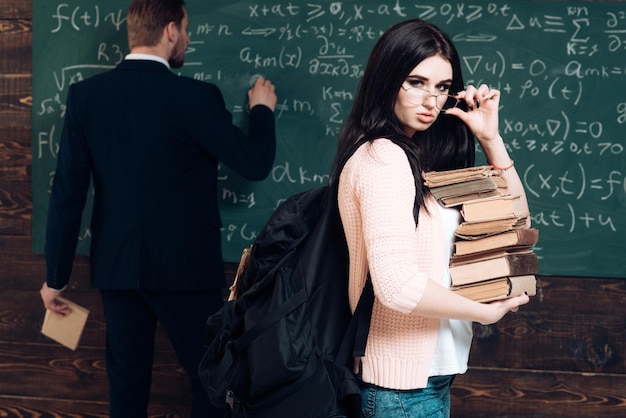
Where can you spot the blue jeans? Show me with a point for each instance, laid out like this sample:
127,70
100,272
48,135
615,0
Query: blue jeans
433,401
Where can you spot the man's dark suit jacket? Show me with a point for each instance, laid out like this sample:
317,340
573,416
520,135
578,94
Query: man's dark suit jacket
152,141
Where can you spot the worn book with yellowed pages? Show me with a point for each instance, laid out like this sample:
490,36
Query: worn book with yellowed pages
475,230
456,260
443,178
500,288
490,208
466,187
451,201
515,264
65,330
454,187
518,237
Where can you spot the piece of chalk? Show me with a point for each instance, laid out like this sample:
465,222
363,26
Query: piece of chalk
254,78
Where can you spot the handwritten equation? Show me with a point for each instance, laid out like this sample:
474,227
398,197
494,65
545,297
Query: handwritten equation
558,66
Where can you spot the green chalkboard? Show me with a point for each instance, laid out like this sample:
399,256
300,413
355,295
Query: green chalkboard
561,67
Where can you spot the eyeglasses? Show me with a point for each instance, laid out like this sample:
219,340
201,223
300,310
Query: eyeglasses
417,96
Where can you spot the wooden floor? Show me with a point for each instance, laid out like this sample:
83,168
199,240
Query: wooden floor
560,356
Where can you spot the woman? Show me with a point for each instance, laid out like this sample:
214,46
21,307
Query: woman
420,331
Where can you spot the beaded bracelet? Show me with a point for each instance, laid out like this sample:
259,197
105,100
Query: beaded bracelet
503,168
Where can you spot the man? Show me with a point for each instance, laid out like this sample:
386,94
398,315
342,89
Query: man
152,141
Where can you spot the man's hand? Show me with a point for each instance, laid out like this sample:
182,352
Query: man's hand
262,93
49,298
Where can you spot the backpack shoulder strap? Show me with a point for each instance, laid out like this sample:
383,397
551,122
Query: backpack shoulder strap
355,338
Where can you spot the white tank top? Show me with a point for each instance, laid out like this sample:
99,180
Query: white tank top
455,337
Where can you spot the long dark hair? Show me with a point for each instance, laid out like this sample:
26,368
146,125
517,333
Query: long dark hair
447,144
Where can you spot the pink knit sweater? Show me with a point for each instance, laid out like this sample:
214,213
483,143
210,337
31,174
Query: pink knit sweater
376,195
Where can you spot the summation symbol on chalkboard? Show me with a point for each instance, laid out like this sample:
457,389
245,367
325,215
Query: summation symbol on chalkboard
560,105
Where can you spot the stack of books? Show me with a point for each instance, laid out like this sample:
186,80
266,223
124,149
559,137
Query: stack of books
454,187
493,257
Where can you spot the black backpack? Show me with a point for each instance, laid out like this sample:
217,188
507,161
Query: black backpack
285,345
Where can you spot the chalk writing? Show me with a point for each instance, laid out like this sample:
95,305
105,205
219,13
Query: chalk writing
569,220
558,66
284,173
239,231
576,184
238,198
80,18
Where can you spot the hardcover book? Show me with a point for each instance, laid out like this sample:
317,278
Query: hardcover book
458,193
506,265
450,201
519,237
65,330
454,187
500,288
491,208
456,259
458,189
442,178
475,230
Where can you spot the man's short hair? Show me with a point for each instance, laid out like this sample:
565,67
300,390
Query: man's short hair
146,20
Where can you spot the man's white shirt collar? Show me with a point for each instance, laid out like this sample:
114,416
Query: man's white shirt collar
147,57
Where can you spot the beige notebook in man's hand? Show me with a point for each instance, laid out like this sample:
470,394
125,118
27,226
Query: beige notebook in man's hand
66,329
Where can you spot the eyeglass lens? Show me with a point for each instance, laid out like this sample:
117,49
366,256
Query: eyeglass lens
418,96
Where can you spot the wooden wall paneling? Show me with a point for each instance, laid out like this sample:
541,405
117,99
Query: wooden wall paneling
18,324
15,43
15,156
41,368
15,213
46,407
576,343
22,269
514,393
13,407
16,9
53,371
15,130
573,324
15,103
